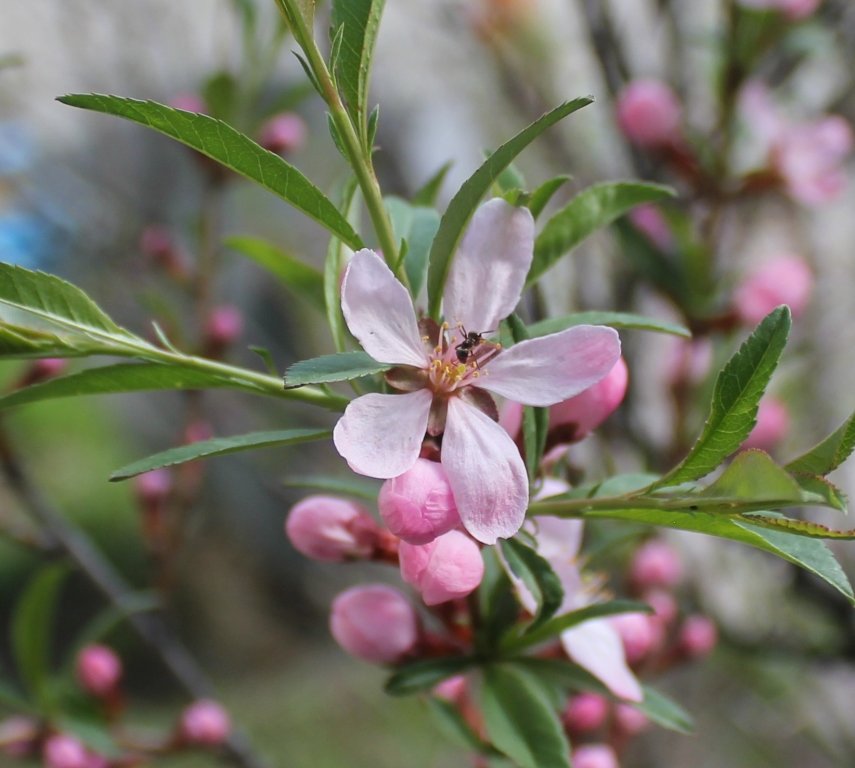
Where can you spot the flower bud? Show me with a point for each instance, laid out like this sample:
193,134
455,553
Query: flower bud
698,636
98,670
374,623
773,423
283,133
640,635
153,487
665,608
222,328
649,113
447,568
629,720
655,564
64,751
784,279
418,505
453,689
42,370
205,723
331,529
580,415
594,756
585,712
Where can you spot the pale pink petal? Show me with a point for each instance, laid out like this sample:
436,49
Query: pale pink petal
488,272
558,539
379,312
596,647
550,369
381,435
486,473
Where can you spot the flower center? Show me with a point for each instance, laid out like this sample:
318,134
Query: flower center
458,358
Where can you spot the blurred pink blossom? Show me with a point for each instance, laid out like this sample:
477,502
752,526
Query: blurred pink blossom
784,279
585,712
283,133
773,424
594,756
649,113
447,568
206,723
651,222
629,720
640,634
331,529
98,669
655,564
64,751
698,636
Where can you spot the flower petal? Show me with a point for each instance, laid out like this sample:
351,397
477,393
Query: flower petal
597,647
488,272
486,473
549,369
379,312
381,435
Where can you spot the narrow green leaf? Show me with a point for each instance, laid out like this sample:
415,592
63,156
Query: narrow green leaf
453,725
351,485
219,446
543,194
612,319
829,494
777,522
830,453
429,192
32,629
467,198
234,150
537,575
341,366
424,674
664,711
19,341
593,208
519,719
417,226
360,22
303,280
122,377
736,395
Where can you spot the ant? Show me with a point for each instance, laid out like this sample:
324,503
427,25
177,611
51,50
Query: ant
471,339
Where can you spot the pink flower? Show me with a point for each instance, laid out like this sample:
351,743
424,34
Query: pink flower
447,384
585,712
206,723
98,669
331,529
594,645
698,636
655,564
448,568
784,279
629,720
64,751
594,756
283,133
375,623
649,113
417,506
640,634
773,423
452,689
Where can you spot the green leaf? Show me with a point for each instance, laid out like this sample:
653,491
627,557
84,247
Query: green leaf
20,341
664,711
11,698
519,719
219,446
122,377
612,319
829,494
234,150
537,575
429,192
454,726
593,208
509,180
736,395
543,194
467,198
220,94
424,674
32,629
334,267
351,485
830,453
360,22
305,281
754,476
805,528
341,366
416,225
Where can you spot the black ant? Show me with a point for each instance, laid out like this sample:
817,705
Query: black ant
471,339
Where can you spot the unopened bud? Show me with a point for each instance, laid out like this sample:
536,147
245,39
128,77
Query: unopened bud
222,328
785,279
773,424
374,623
158,245
698,636
594,756
283,133
640,635
98,670
42,370
649,113
453,689
153,487
655,564
64,751
629,720
665,608
205,723
331,529
585,712
418,505
447,568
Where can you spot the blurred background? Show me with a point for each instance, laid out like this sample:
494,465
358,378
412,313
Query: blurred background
128,215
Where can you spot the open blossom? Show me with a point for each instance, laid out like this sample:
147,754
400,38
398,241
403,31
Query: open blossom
447,385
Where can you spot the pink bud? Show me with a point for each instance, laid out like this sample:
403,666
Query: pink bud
630,721
665,608
649,220
649,113
447,568
205,722
49,367
781,280
283,133
698,636
189,102
153,487
418,506
585,712
64,751
594,756
638,633
374,623
331,529
453,689
223,326
197,431
98,669
583,413
773,423
655,564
